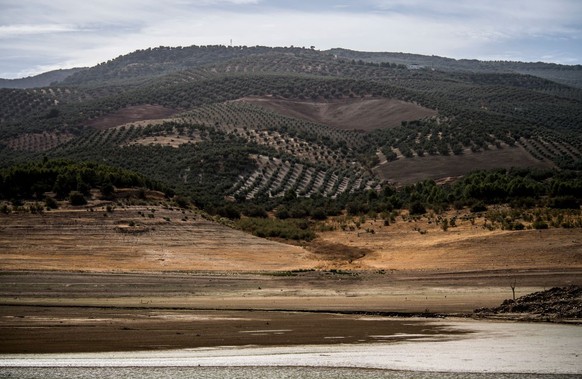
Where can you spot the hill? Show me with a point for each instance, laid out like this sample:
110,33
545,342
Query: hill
564,74
42,80
240,126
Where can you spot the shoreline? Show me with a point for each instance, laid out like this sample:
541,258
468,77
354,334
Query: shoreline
480,347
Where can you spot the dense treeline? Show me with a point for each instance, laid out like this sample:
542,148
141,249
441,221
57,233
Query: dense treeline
291,216
32,180
516,187
519,188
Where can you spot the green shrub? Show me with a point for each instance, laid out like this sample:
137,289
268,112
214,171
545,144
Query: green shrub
478,207
417,208
51,203
291,229
255,211
319,214
76,198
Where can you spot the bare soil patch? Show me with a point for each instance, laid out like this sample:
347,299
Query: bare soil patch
412,170
168,240
365,114
131,114
337,252
55,311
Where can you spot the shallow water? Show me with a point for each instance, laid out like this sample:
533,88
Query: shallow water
492,350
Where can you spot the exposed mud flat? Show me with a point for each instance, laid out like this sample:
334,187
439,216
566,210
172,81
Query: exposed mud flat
463,348
63,329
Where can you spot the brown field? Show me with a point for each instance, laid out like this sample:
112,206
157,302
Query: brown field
412,170
360,114
76,280
131,114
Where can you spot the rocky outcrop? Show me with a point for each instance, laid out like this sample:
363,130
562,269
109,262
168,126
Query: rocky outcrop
555,304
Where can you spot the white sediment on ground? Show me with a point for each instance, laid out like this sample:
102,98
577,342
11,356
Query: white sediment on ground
493,347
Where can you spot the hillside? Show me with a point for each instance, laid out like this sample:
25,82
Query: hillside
235,127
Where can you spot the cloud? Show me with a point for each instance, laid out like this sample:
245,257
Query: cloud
8,31
67,33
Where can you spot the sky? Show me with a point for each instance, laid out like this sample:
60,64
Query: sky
42,35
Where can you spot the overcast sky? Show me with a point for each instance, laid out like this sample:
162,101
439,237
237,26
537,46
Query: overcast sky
42,35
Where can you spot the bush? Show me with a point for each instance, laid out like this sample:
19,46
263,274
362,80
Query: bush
107,191
283,213
273,228
51,203
564,202
255,211
417,208
518,226
319,214
538,224
478,207
182,202
229,211
76,198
